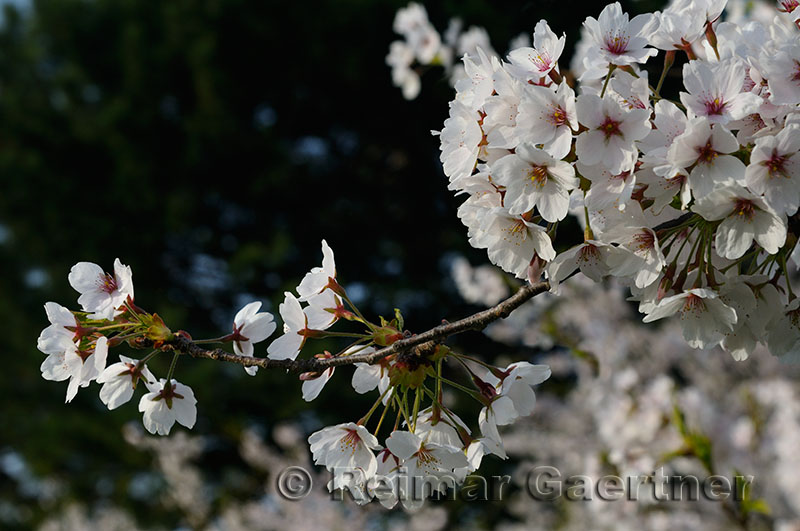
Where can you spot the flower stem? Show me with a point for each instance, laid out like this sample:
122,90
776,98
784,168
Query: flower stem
147,358
416,408
366,417
401,404
782,260
172,365
111,327
385,409
669,58
611,68
460,387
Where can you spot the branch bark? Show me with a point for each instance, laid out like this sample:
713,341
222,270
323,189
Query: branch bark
419,342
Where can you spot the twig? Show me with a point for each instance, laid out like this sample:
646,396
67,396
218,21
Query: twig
420,343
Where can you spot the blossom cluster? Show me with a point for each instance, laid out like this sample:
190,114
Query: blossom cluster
692,202
77,345
618,416
434,449
427,443
423,47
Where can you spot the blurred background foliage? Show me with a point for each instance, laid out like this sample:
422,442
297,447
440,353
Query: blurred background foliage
211,145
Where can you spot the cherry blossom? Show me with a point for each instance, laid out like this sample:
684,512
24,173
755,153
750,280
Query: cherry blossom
774,170
548,117
612,131
538,61
422,460
460,141
166,403
619,41
513,242
704,317
295,323
591,257
746,217
531,178
705,149
101,293
250,327
316,280
119,381
345,446
715,91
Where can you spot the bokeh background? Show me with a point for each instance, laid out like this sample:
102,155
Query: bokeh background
211,145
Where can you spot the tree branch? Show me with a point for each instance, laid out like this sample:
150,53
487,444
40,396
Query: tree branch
419,342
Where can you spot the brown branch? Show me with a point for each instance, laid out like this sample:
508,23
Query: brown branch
419,342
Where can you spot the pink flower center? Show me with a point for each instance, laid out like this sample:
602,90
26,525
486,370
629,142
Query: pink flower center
617,44
776,165
610,127
796,75
517,229
349,441
538,175
107,283
644,241
676,181
589,253
694,304
425,457
558,116
787,6
744,208
541,60
621,176
706,153
715,107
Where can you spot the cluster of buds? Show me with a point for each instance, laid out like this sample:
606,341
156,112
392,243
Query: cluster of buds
692,202
429,447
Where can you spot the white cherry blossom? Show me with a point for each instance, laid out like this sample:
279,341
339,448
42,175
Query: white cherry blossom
612,131
619,41
250,327
774,170
101,293
715,91
705,319
513,242
166,403
705,149
531,178
312,386
746,217
57,336
295,323
347,447
316,280
120,379
782,70
591,257
427,464
678,27
548,117
537,62
460,141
